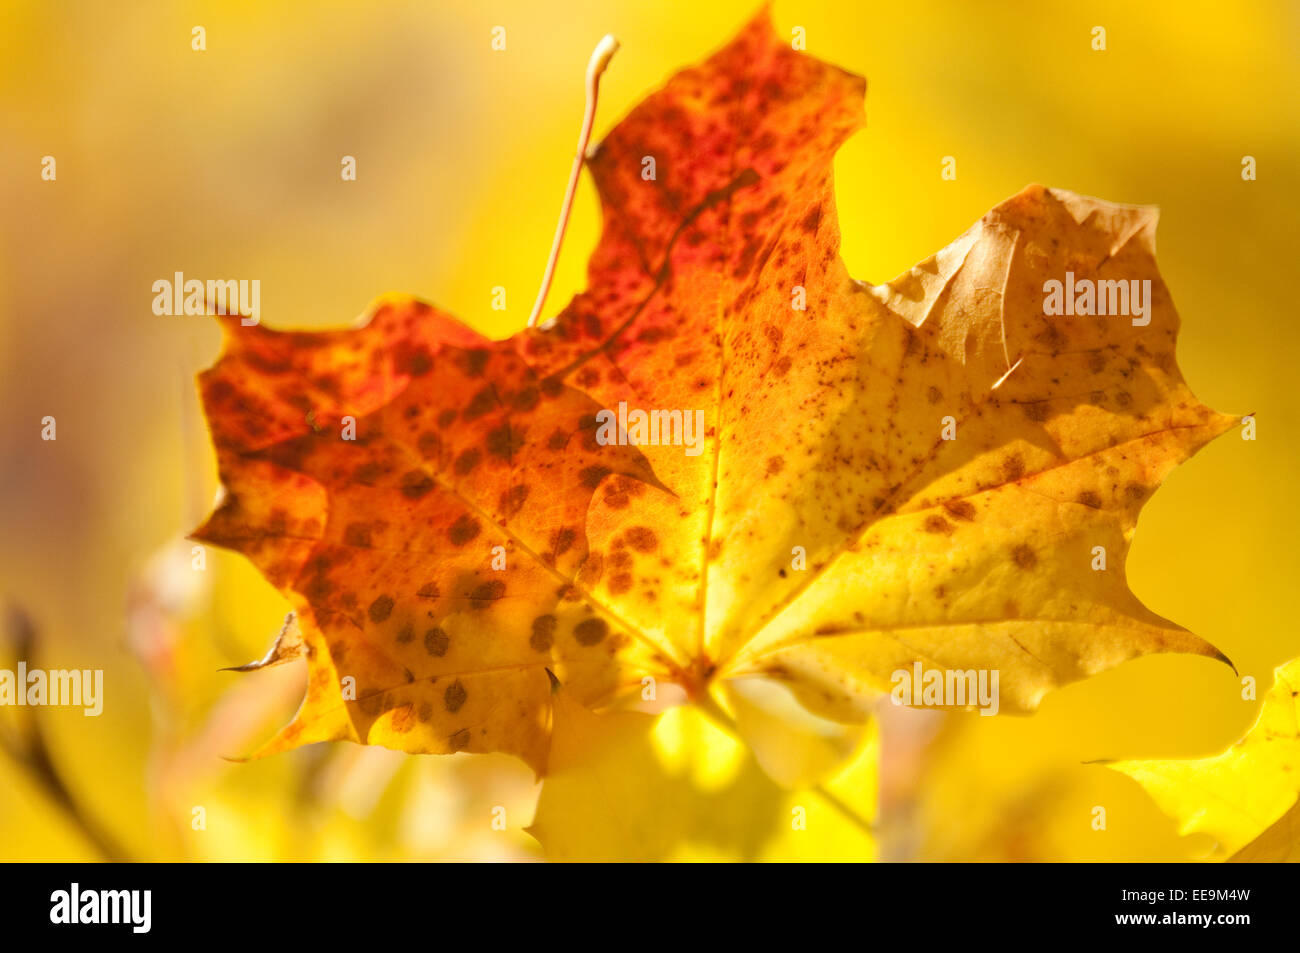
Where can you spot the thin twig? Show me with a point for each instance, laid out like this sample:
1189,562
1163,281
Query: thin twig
30,750
600,58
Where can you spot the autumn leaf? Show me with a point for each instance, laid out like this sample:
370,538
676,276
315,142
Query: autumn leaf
978,790
1246,797
385,542
796,748
626,786
449,521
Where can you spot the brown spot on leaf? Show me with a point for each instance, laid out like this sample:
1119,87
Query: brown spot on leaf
436,642
463,530
960,510
642,539
487,592
467,461
1013,468
1135,492
505,441
357,534
591,631
479,404
381,609
527,399
473,362
543,633
591,570
1024,557
415,484
562,540
367,474
454,697
934,523
512,500
402,719
1036,410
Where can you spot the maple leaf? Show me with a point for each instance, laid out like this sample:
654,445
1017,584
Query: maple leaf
825,534
1247,797
627,786
383,526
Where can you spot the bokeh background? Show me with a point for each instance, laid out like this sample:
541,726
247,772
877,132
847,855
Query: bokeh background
225,163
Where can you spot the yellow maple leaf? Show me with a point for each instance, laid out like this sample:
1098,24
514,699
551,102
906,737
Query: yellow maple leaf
1245,798
627,786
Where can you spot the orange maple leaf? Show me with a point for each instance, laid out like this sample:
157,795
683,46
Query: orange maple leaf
914,472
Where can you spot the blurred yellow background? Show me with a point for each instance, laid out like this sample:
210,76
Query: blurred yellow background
226,162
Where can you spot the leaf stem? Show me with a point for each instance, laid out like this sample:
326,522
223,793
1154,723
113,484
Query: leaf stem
600,58
709,706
